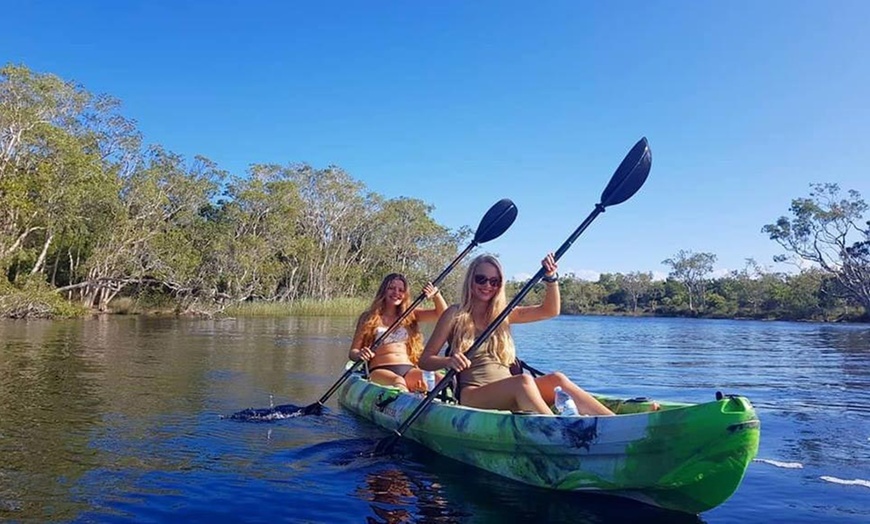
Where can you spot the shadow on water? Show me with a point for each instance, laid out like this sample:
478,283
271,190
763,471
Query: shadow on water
491,498
416,485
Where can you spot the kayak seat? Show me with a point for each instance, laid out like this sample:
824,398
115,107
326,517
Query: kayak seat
450,394
519,367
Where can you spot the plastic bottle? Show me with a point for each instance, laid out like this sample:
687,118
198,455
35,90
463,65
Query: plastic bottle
565,405
429,378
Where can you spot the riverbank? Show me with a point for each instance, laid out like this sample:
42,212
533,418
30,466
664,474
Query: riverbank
39,300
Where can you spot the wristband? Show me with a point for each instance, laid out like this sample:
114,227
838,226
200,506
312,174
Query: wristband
550,280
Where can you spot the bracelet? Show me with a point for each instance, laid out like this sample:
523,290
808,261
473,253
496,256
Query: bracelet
550,280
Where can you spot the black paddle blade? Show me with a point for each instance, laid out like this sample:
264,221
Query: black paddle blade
385,445
629,176
496,221
312,409
268,414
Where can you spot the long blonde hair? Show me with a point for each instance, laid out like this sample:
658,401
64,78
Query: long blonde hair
373,318
500,344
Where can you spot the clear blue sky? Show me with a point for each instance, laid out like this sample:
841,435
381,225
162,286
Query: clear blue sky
461,103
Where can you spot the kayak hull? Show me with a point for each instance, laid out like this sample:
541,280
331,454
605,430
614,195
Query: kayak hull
683,457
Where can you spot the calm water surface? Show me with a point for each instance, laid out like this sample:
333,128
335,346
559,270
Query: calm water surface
118,420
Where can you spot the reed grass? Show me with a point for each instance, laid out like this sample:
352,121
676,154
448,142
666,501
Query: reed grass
336,307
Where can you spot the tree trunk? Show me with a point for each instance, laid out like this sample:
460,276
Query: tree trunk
40,262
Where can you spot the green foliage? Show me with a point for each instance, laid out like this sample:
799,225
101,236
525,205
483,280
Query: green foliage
60,149
751,293
828,231
84,208
31,297
90,219
692,269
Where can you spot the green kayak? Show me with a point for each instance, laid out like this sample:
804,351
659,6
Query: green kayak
683,457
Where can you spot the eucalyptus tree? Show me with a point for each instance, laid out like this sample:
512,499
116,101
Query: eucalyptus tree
61,148
256,246
154,238
801,297
691,270
580,296
405,238
335,222
636,285
828,231
753,285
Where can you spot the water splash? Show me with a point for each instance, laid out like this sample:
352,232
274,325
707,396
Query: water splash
853,482
780,464
270,414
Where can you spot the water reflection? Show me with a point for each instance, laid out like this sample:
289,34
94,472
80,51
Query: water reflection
44,427
426,488
397,497
103,417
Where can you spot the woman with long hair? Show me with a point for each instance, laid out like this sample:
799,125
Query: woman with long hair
484,377
394,362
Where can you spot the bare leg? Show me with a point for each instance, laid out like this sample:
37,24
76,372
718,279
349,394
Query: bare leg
518,393
414,380
586,403
385,377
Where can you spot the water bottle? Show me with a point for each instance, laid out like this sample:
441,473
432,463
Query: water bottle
429,378
564,403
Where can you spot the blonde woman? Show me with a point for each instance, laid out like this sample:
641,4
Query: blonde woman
394,362
484,377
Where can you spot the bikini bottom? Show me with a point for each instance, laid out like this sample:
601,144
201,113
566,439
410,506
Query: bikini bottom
398,369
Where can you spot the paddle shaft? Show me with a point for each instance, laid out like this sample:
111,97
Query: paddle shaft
628,178
490,328
494,223
377,343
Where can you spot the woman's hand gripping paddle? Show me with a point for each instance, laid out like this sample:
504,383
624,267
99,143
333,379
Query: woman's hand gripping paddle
628,178
493,224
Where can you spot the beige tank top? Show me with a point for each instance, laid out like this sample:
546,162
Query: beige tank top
484,369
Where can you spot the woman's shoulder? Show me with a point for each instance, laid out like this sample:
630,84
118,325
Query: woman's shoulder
451,311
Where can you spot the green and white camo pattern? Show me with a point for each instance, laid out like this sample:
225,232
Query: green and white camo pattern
684,457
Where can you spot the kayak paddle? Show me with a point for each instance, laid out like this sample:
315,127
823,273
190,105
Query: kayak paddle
494,223
628,178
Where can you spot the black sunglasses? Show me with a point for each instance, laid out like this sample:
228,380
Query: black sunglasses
482,279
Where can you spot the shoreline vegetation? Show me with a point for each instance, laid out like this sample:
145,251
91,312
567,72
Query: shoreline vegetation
92,220
45,303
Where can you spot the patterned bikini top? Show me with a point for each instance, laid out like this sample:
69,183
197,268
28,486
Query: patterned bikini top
400,334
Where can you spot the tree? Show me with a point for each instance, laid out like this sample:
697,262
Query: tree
406,239
580,296
827,231
153,231
256,245
750,284
636,285
61,149
801,297
691,269
335,223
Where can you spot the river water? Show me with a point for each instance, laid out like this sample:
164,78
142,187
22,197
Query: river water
118,419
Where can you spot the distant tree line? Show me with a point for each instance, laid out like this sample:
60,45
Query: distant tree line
826,234
748,294
89,214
